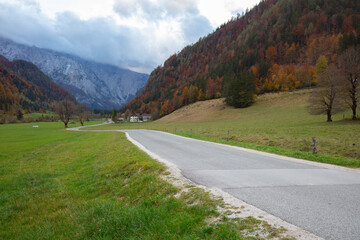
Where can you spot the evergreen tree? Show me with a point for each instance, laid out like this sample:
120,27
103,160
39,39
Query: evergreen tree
242,90
348,40
113,115
19,115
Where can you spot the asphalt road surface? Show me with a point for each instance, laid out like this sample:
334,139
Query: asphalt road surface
323,201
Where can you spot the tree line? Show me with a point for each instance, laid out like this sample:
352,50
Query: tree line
66,109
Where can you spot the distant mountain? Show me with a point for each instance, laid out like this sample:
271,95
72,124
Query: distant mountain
24,86
94,84
277,41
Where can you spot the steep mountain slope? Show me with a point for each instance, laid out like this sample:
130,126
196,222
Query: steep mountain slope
94,84
24,86
278,41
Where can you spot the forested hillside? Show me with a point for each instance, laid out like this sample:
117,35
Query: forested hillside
272,47
24,87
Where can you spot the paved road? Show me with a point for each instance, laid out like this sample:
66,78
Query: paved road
323,201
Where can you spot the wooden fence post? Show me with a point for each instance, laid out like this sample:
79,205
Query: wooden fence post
190,131
314,145
354,147
228,135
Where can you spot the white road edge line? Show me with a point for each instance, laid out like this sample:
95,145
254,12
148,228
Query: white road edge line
248,211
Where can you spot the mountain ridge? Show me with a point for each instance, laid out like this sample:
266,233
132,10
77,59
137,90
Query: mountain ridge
97,85
25,87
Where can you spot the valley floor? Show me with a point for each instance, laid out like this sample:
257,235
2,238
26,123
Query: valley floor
56,184
277,123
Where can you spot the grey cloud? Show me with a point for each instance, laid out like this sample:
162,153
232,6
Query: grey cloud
126,8
231,4
175,7
195,27
101,39
97,39
156,10
25,25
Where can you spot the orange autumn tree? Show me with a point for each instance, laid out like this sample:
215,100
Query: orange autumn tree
271,53
164,108
184,99
213,88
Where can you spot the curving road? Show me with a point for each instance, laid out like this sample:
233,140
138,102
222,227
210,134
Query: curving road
320,198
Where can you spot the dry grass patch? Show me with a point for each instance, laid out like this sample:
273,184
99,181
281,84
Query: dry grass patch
197,112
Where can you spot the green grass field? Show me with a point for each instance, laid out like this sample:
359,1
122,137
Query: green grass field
277,123
57,184
37,114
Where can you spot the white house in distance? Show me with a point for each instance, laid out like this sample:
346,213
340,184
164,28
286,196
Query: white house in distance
145,117
134,118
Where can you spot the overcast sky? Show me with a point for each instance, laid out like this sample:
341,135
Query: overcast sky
137,34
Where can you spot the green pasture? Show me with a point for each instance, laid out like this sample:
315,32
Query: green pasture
38,114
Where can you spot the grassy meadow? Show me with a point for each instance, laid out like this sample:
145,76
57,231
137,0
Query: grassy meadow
57,184
38,114
277,123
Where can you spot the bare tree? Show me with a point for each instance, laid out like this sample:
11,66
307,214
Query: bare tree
65,109
349,63
323,99
127,114
82,111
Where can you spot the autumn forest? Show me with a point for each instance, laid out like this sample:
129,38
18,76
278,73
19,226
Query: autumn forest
24,88
276,46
